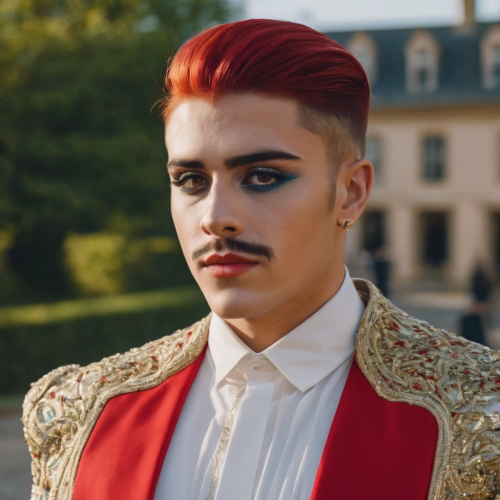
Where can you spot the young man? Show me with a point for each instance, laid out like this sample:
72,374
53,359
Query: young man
301,383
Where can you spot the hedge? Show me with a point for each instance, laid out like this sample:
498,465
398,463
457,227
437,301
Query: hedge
29,348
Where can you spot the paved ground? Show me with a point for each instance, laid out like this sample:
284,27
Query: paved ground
15,477
444,309
439,309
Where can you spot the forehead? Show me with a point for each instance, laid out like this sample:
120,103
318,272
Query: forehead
234,123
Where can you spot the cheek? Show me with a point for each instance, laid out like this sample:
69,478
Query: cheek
186,219
178,214
303,227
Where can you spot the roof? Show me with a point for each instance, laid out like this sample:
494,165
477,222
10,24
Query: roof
459,68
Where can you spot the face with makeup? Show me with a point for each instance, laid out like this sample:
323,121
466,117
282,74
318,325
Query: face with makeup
252,206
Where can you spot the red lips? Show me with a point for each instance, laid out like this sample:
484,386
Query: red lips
228,258
229,265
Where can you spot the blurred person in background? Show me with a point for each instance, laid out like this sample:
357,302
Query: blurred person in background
302,383
472,324
481,287
382,268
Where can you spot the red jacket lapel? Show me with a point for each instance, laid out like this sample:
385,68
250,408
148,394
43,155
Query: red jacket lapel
376,449
125,452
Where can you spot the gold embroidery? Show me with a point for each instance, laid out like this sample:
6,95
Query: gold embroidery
60,410
223,444
410,361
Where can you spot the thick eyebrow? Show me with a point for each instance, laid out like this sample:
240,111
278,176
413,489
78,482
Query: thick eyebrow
238,161
185,164
271,154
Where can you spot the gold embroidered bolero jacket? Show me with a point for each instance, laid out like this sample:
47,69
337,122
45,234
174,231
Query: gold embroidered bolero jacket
404,359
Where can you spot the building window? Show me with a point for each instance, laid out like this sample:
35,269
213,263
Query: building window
434,158
490,58
423,66
364,57
496,242
374,154
498,159
364,49
422,63
374,224
434,227
496,65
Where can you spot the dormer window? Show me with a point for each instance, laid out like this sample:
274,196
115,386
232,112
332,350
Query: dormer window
423,67
364,49
496,65
374,154
422,63
490,58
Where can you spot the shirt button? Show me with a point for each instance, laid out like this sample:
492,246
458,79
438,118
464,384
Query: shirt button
258,367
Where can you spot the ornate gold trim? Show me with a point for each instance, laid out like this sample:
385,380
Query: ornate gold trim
407,360
384,382
62,408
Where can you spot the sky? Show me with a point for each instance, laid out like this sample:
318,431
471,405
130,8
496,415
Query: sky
358,14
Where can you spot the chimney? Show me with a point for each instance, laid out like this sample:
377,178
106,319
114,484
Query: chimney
469,13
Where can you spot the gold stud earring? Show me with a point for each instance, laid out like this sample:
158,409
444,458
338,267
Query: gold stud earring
348,224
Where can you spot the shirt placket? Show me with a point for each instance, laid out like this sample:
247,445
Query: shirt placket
238,453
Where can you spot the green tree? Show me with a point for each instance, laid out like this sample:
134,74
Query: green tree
80,148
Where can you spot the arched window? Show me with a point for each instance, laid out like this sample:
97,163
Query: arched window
364,49
490,58
422,63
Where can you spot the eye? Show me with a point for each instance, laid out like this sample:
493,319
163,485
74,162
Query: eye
265,179
261,179
189,182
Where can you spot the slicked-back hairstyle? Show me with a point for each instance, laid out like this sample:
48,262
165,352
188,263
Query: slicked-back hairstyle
281,59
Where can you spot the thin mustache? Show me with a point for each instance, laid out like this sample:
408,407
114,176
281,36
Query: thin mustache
235,245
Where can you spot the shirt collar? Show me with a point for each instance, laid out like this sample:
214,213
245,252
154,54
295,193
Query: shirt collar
226,348
308,353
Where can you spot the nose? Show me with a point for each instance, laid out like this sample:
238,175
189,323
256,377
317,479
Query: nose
222,215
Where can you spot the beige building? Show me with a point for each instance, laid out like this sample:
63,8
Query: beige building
434,139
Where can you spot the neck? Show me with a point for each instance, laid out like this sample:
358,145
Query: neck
261,331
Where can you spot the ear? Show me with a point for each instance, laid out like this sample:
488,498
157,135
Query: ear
354,184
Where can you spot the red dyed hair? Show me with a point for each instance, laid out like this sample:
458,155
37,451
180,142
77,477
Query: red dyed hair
279,58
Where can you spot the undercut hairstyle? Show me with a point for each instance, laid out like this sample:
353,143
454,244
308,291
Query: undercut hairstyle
280,59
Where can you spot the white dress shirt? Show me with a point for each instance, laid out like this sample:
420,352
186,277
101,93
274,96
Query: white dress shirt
254,426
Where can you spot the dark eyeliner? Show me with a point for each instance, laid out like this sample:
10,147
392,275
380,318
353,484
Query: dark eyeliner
181,180
280,177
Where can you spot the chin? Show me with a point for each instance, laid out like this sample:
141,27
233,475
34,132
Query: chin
234,304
